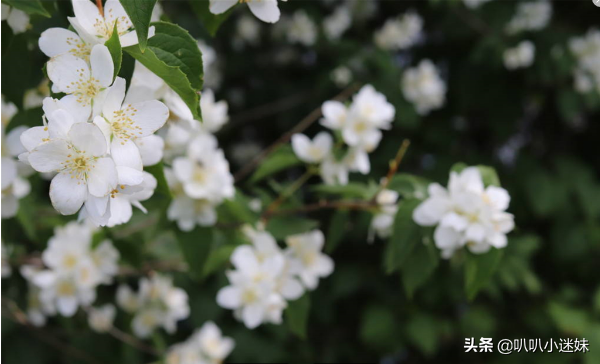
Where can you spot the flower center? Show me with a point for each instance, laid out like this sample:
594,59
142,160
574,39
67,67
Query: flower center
79,165
249,296
79,49
69,261
65,289
84,89
123,126
199,175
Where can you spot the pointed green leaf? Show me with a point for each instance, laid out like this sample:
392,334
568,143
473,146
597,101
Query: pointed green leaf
404,238
479,269
296,315
140,13
30,7
116,53
421,265
210,21
196,246
279,160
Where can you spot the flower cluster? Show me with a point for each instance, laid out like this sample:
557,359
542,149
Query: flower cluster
423,86
14,184
101,319
157,304
383,221
301,29
466,214
337,23
17,19
205,346
521,56
266,276
359,126
400,33
74,269
587,51
530,16
92,139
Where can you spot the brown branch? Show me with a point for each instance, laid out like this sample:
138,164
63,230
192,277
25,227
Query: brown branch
300,127
100,8
128,339
18,316
394,164
285,195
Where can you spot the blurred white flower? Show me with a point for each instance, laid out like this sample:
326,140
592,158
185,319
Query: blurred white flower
306,258
383,221
423,86
248,30
14,184
337,23
473,4
101,319
530,16
521,56
466,214
206,345
312,151
301,29
214,113
17,19
400,33
341,76
157,304
587,51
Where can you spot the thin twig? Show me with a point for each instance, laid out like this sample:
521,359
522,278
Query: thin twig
300,127
100,8
286,194
128,339
394,164
18,316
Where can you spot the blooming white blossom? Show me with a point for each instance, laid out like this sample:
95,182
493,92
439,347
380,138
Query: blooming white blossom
248,30
206,345
74,269
37,311
466,214
34,97
521,56
312,151
587,51
17,19
212,73
157,304
423,86
341,76
383,221
14,184
306,258
530,16
265,10
101,319
96,27
301,29
337,23
401,32
87,84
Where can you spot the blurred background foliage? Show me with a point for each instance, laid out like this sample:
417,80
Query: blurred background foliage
539,134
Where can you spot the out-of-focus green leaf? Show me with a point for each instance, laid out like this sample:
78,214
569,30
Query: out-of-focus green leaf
140,13
210,21
422,263
116,53
236,210
296,315
30,7
489,176
570,320
279,160
196,246
423,332
405,236
409,186
283,226
350,190
479,269
336,230
378,327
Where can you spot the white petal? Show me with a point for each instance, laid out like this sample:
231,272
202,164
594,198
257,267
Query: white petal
149,116
67,194
499,197
229,297
265,10
65,70
151,149
59,124
334,113
55,41
102,65
221,6
48,157
446,238
430,211
129,176
67,306
126,153
301,145
33,137
114,98
89,138
253,315
243,259
89,17
102,178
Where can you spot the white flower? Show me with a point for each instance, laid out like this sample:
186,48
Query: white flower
334,172
56,41
101,319
306,258
400,33
341,76
96,27
301,29
334,115
383,222
14,185
587,51
86,84
212,74
466,213
473,4
36,309
423,87
206,345
123,124
265,10
521,56
312,151
337,23
248,30
17,20
214,113
532,16
84,171
157,304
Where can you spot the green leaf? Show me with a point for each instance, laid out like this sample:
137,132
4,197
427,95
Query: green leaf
404,238
140,13
280,159
350,190
336,230
489,176
196,247
479,269
421,265
378,327
423,332
28,6
173,55
158,171
210,21
283,226
296,315
217,259
116,53
409,185
236,210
